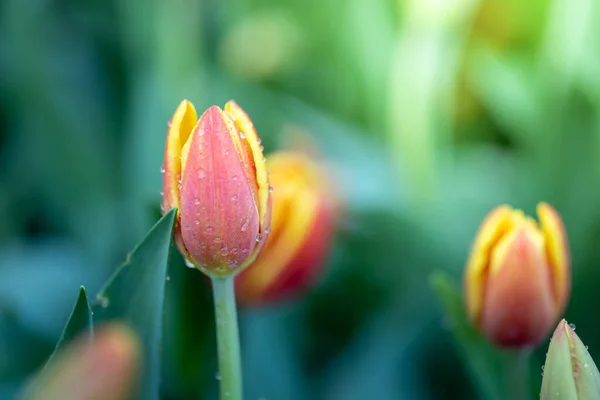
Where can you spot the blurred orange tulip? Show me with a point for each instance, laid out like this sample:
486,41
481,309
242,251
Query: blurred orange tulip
301,232
517,280
105,368
215,174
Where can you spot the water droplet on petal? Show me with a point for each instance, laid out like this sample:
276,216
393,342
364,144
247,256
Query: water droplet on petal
197,221
242,136
218,239
201,173
259,237
234,251
234,178
162,169
258,140
246,224
218,376
196,201
226,152
234,197
270,189
162,193
168,278
208,228
572,325
224,250
188,263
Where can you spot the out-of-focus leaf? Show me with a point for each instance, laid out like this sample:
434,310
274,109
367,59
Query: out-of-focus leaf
484,362
79,321
135,293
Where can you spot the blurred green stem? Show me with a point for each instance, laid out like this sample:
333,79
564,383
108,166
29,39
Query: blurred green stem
230,371
518,378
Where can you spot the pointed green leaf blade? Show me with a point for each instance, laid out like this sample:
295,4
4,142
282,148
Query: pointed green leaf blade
80,322
135,294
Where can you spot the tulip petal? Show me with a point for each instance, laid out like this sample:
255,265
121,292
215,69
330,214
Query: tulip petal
518,305
219,218
557,249
246,127
180,127
495,225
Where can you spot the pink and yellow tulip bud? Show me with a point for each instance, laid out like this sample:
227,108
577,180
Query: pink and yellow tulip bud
215,174
570,371
301,232
517,279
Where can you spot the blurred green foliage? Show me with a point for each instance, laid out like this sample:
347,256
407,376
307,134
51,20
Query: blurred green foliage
428,113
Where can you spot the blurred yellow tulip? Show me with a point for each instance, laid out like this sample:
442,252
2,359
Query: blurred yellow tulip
301,231
517,279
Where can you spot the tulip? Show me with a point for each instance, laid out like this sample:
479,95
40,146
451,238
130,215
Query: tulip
215,174
301,232
517,279
569,372
106,368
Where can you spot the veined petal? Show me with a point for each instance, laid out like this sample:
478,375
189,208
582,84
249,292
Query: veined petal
518,305
250,137
219,218
557,250
180,127
495,225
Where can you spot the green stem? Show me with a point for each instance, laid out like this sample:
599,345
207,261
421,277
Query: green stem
519,375
228,341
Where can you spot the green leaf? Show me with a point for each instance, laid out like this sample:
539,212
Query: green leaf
80,321
135,294
485,363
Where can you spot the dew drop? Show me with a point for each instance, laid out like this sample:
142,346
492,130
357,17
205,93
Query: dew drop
226,152
197,221
259,237
572,325
543,367
179,186
234,197
208,228
201,173
245,225
218,376
103,301
270,189
187,227
258,140
168,278
244,251
196,201
234,178
264,159
224,250
188,263
203,245
162,169
234,251
262,148
218,239
268,230
162,193
242,136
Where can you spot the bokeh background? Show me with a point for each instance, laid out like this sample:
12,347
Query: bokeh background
428,113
